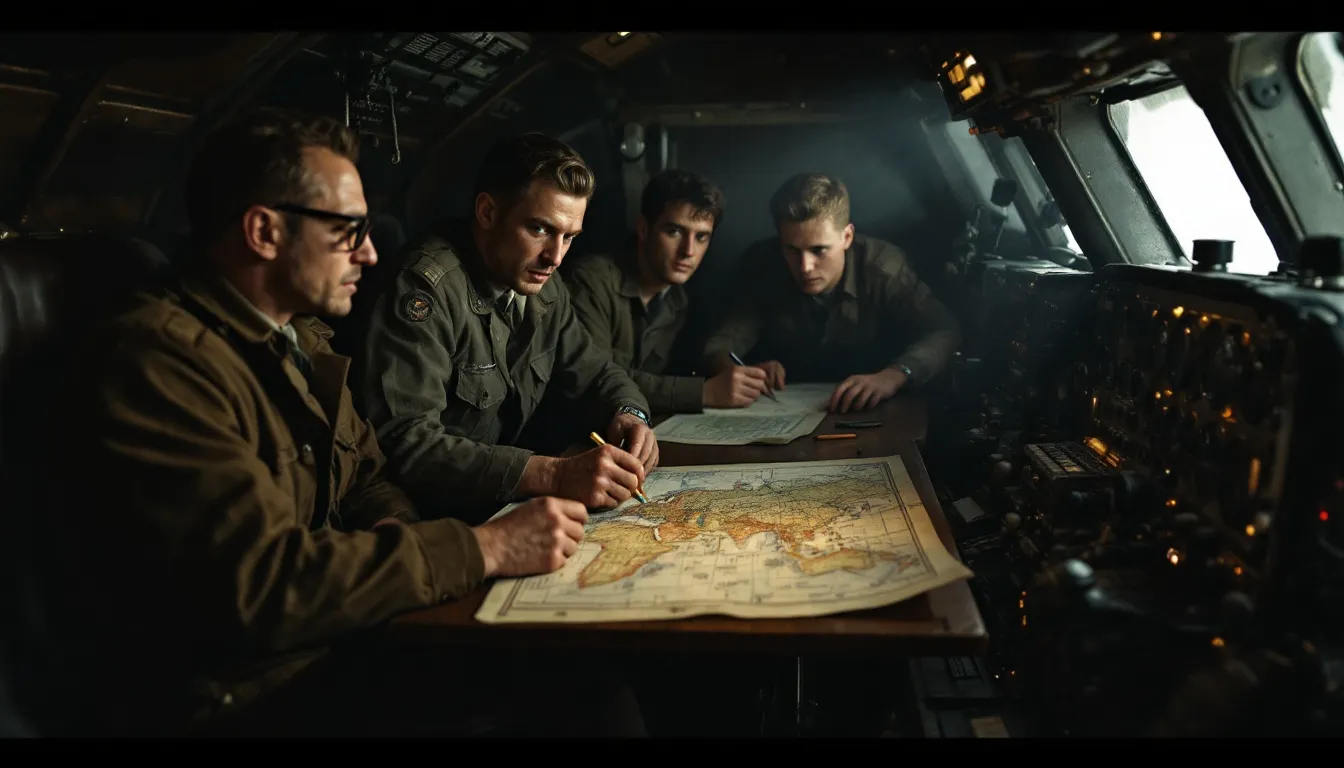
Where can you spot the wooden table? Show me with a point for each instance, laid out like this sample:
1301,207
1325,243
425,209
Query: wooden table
944,621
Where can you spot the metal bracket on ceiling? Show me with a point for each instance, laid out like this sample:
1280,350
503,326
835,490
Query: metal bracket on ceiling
1266,91
364,79
431,154
392,110
79,98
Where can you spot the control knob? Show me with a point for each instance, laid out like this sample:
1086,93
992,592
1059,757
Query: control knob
1212,255
1320,262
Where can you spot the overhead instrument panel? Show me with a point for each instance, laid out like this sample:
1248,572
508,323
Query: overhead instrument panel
422,72
965,83
1006,88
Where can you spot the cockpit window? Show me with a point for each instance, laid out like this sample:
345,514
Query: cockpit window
1036,190
1190,177
980,168
1323,76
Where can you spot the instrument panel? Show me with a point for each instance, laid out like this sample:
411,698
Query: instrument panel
1160,486
1198,394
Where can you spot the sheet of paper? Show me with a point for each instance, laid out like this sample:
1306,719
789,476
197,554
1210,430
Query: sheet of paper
800,409
780,540
807,397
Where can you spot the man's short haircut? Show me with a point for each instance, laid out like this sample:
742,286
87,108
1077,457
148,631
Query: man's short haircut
257,159
514,163
808,195
675,187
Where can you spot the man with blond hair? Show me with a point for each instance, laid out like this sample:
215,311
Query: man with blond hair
837,306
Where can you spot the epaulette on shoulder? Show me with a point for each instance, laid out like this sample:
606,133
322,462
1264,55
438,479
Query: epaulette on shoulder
428,268
883,258
603,264
317,326
169,320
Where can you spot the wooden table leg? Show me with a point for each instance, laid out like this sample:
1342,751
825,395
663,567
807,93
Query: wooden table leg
805,710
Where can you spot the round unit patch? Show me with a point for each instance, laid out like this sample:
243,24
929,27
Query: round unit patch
417,306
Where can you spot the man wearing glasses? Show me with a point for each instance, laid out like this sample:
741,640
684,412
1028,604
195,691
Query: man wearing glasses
478,327
237,515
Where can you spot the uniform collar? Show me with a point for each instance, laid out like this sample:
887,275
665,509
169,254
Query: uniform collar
673,295
483,293
849,283
220,297
246,305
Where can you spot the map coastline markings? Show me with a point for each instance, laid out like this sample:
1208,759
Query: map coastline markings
780,540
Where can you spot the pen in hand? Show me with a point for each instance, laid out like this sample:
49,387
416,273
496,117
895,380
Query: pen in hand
768,391
639,492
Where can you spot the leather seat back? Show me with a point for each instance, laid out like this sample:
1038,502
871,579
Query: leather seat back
52,289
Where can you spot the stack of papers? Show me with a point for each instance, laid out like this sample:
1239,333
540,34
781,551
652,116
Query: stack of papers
800,409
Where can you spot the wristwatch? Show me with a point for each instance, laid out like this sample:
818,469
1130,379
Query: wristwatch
633,411
903,368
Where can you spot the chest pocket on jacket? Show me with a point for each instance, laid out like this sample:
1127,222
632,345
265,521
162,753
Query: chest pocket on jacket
295,472
654,347
539,368
479,391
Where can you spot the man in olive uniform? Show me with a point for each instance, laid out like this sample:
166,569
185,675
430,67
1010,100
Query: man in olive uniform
636,306
477,327
836,307
236,515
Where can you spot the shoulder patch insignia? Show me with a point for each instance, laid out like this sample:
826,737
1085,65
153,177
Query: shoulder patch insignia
416,305
429,269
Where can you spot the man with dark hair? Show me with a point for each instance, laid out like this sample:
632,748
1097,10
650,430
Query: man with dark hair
478,327
635,306
251,525
836,306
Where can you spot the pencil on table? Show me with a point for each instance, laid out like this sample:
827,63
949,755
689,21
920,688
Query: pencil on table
639,492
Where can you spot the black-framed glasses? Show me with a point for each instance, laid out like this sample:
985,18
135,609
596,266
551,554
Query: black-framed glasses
359,225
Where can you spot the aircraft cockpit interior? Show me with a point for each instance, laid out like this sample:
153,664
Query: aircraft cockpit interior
958,384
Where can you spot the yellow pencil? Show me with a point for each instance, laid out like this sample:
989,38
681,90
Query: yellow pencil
639,492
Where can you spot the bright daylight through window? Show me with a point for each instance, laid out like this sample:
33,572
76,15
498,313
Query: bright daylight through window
1323,75
1191,179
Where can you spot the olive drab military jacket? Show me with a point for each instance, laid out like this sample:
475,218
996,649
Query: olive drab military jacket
880,315
640,339
450,380
234,497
